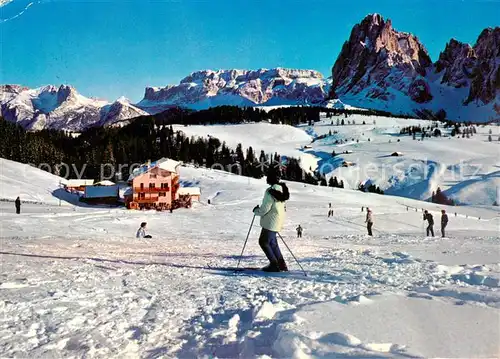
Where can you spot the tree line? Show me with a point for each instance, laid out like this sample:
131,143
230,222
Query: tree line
121,147
233,115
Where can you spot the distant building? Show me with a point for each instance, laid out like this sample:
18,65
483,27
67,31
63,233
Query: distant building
193,193
396,154
74,185
104,192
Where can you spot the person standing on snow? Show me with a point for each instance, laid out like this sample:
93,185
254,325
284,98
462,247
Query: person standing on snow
18,205
299,231
369,221
430,220
272,216
444,222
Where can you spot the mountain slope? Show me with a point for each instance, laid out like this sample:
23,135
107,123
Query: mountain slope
31,184
61,108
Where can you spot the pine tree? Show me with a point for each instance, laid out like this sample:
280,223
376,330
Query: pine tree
331,183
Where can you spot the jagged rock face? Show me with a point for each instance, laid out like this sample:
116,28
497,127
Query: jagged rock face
381,68
477,67
377,57
241,87
485,84
458,61
60,108
419,91
119,112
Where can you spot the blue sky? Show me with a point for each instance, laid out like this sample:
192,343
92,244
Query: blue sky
112,48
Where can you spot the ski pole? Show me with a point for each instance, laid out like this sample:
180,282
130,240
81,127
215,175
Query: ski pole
244,245
296,260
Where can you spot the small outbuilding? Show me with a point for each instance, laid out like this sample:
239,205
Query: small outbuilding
193,192
396,154
73,185
101,194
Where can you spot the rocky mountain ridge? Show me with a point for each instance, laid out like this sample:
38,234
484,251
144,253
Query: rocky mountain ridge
378,67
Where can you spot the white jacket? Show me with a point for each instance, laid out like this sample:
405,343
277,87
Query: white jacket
271,211
141,232
369,217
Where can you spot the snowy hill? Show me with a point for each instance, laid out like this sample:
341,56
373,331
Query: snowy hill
397,294
61,108
30,184
466,169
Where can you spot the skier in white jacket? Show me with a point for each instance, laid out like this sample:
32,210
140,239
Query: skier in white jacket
272,216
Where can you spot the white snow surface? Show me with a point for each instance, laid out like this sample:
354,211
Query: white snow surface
466,169
76,282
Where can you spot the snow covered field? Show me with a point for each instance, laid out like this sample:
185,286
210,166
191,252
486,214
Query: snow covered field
466,169
76,283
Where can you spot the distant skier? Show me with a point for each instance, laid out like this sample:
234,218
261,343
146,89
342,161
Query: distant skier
430,220
272,213
299,231
369,221
18,205
444,222
141,232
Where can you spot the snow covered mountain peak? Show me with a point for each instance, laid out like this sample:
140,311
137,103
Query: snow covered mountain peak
60,108
206,88
374,50
382,68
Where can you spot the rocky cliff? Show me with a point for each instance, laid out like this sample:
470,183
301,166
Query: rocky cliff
239,87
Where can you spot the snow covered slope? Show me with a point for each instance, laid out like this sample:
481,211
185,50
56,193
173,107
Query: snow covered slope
465,168
283,139
60,108
77,283
30,184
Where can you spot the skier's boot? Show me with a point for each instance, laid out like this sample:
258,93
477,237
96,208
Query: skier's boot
271,267
282,265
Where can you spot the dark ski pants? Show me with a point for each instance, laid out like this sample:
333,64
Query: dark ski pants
269,244
430,229
18,210
369,226
299,234
443,226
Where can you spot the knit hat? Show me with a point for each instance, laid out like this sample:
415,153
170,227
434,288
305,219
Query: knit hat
273,175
